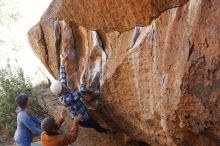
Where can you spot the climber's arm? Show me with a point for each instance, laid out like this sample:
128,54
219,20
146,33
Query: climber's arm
76,95
63,57
81,87
63,74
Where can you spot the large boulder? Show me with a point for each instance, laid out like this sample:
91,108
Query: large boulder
152,67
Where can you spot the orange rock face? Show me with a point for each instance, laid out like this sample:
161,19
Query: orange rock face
110,15
158,84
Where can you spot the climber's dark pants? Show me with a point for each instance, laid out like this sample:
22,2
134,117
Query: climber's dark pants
91,123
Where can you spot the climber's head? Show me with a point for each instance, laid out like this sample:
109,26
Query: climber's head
50,126
56,88
23,101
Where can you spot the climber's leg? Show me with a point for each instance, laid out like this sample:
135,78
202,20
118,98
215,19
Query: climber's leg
91,123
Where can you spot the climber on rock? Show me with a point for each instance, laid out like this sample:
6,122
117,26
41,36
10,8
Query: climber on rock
72,99
51,135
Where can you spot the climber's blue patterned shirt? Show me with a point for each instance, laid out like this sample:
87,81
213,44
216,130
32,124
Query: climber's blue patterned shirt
71,99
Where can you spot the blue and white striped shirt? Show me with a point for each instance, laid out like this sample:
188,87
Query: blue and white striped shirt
71,99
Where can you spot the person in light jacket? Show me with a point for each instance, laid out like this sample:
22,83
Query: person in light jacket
27,122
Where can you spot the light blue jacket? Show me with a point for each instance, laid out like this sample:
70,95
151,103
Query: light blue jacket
26,128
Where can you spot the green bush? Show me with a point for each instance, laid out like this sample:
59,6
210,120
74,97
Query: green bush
12,83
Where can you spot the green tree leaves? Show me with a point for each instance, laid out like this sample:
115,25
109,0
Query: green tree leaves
12,83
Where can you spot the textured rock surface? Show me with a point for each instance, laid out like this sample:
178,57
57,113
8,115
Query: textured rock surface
112,15
158,84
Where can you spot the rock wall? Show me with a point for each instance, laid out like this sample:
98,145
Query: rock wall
152,67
